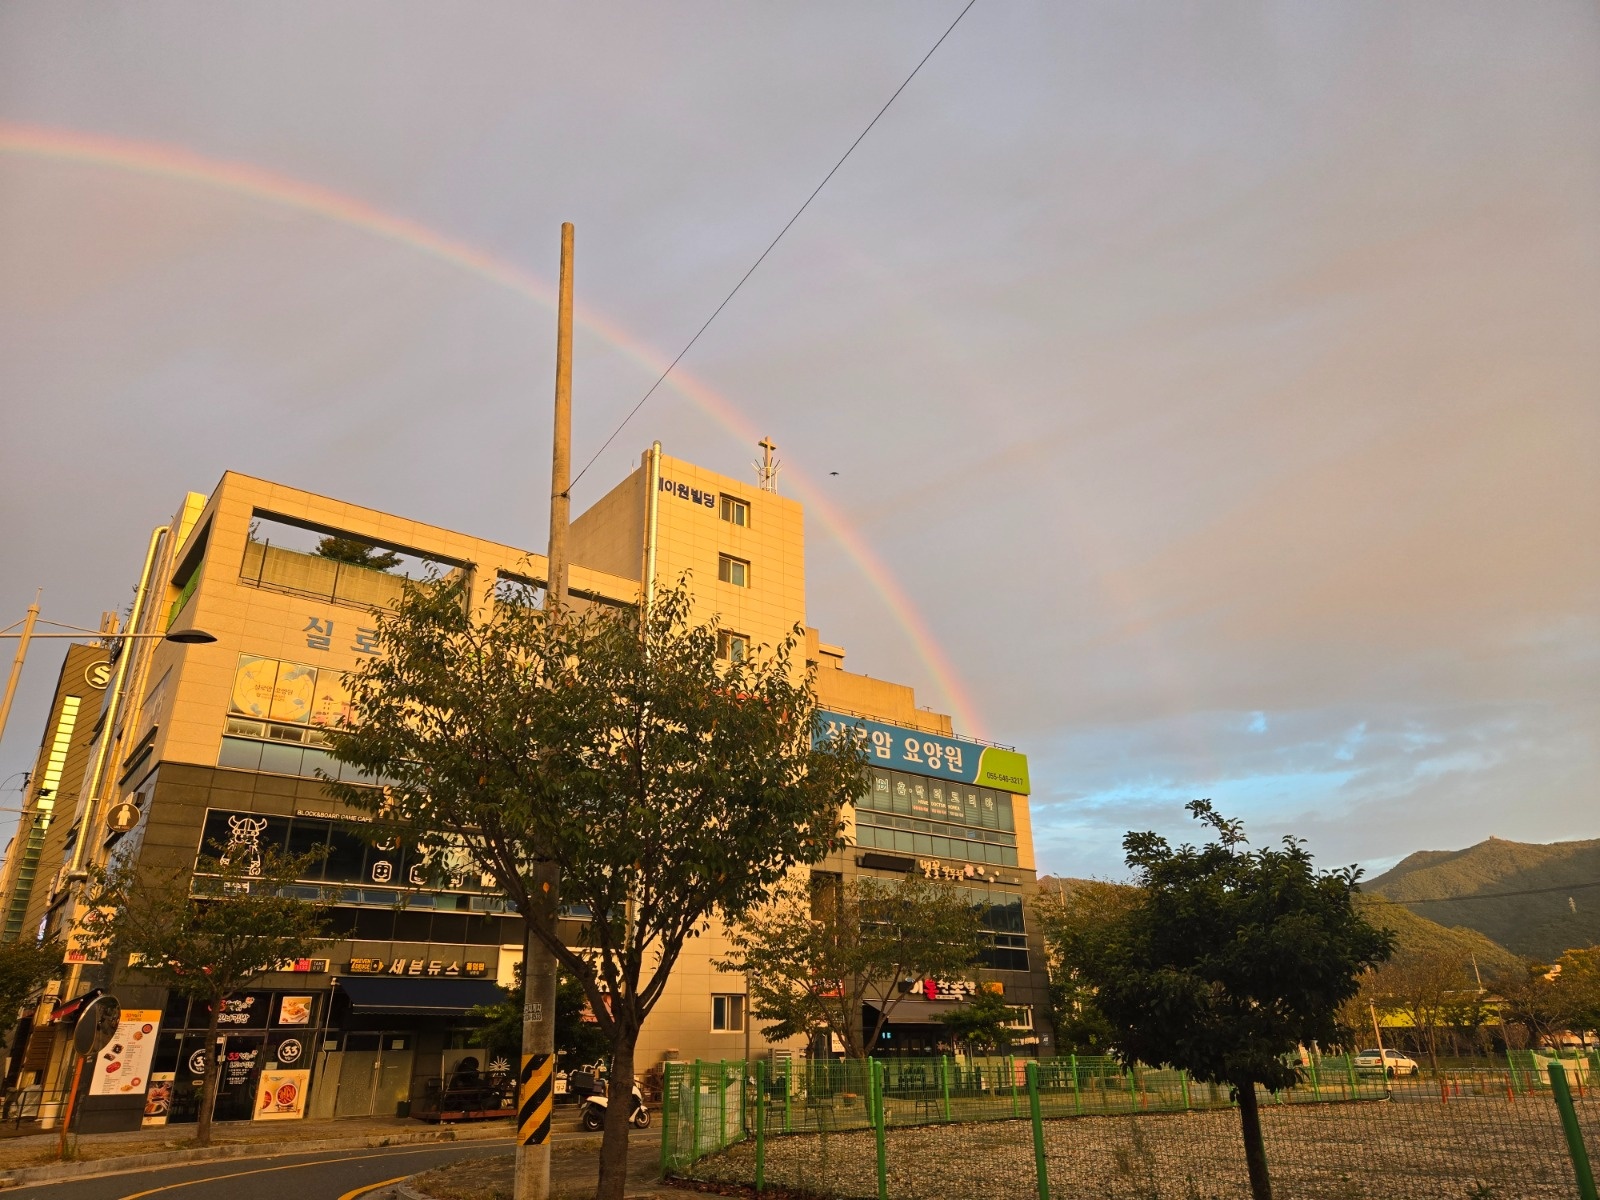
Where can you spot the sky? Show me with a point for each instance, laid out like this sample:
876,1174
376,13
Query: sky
1218,384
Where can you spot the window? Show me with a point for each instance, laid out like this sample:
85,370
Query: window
732,646
727,1014
735,512
733,570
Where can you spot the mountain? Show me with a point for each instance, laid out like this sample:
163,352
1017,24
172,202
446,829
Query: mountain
1417,935
1535,900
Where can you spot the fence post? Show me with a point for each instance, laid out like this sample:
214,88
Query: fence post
1511,1065
722,1103
1041,1170
761,1125
944,1083
1316,1083
876,1095
1569,1125
1355,1085
1183,1082
1077,1090
694,1126
788,1088
1015,1111
666,1115
1133,1088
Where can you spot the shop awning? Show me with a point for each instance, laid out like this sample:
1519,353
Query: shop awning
419,997
69,1011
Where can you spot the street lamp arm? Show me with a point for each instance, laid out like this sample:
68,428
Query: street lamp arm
177,635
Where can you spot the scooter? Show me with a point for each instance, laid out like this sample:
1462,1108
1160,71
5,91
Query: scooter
592,1116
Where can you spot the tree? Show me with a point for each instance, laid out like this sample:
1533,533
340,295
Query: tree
821,949
1579,983
982,1024
207,934
1072,913
1421,986
24,965
667,786
1230,960
578,1035
1532,998
357,552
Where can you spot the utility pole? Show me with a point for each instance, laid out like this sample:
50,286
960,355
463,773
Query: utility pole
536,1081
16,663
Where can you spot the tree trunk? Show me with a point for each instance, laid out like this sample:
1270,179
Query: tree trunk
213,1075
619,1110
1255,1152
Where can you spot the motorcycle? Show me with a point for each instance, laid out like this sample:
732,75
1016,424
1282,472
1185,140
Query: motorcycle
592,1116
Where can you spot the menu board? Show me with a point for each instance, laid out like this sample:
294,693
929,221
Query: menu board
122,1068
281,1095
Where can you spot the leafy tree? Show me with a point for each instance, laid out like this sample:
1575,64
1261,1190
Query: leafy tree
207,935
1532,997
1579,982
357,552
578,1035
24,965
981,1024
1230,960
1072,913
819,949
667,786
1421,986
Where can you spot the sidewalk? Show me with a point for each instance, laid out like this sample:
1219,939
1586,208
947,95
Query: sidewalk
32,1148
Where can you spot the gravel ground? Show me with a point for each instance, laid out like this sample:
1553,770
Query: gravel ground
1472,1149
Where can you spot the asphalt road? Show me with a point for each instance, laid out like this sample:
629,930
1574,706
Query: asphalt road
327,1175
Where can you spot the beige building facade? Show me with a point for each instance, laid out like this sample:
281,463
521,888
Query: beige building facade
220,745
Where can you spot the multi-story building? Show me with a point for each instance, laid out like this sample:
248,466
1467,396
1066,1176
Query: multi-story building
220,747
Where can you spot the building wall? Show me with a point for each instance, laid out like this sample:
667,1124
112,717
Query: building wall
181,753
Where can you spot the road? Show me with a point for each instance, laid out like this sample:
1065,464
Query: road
326,1175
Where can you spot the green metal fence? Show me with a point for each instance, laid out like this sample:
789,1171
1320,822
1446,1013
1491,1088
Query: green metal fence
910,1129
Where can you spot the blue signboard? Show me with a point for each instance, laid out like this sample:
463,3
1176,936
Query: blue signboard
932,754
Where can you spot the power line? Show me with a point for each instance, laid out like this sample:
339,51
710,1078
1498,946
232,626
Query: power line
1568,887
632,411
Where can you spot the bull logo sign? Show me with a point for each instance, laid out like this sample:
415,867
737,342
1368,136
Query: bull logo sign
245,843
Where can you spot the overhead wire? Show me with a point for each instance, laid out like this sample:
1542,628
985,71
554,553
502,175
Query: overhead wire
1566,887
770,245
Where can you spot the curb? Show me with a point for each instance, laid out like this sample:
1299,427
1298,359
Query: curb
94,1168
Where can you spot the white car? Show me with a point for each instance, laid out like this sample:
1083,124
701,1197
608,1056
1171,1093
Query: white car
1390,1062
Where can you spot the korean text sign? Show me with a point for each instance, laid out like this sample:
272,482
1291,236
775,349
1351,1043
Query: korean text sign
919,753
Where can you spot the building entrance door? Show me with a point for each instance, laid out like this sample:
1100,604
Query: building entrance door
374,1074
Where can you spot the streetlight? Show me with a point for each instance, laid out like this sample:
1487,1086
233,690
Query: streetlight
184,637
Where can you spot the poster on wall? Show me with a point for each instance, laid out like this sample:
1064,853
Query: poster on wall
122,1068
270,690
281,1095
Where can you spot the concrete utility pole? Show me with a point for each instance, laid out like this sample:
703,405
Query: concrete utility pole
16,663
536,1086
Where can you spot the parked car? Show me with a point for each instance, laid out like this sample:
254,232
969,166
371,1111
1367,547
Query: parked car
1390,1062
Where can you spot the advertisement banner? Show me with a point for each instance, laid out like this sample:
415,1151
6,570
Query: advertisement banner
933,754
281,1095
122,1068
158,1098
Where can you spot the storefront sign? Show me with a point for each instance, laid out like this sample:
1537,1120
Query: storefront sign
948,989
294,1010
365,966
932,868
930,754
239,1064
122,1067
281,1095
248,1011
425,966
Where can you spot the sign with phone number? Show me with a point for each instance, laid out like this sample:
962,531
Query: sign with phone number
902,749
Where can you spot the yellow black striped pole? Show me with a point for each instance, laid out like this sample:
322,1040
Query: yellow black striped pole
535,1099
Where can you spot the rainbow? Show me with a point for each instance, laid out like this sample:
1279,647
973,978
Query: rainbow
251,182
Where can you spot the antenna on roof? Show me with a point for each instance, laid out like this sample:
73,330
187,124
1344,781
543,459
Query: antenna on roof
766,466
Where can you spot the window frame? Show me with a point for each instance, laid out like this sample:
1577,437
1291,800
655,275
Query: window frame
730,505
726,564
730,1002
726,639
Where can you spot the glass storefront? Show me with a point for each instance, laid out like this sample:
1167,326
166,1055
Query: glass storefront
907,814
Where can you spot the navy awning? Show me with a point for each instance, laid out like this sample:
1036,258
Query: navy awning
419,997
